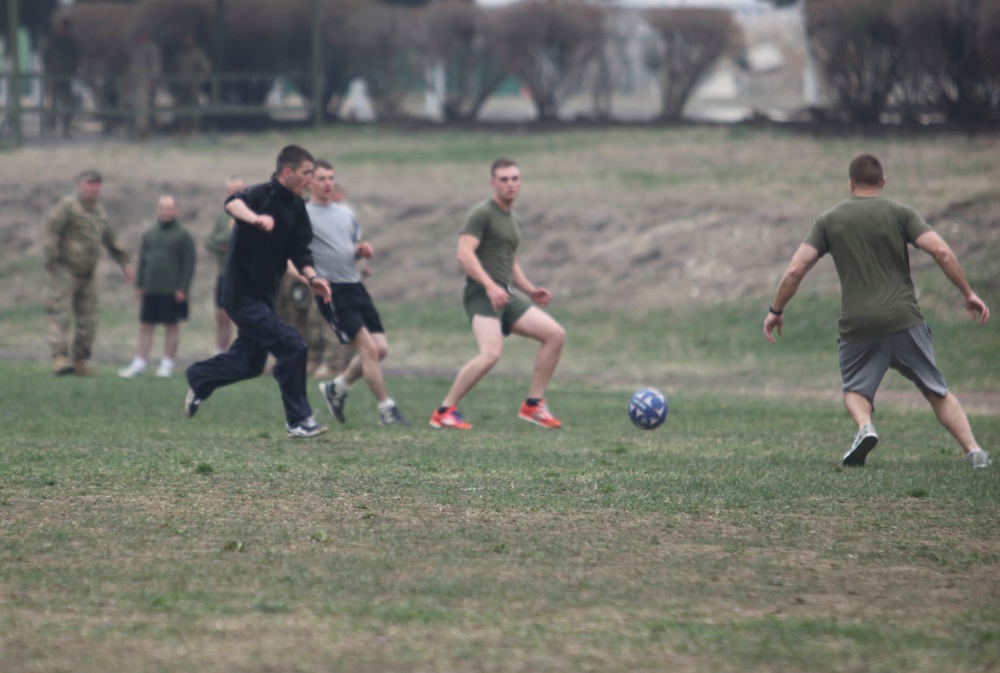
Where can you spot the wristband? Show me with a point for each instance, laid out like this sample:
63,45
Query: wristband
310,280
770,309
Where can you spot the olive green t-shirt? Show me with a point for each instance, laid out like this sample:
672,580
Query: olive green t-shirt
868,238
499,233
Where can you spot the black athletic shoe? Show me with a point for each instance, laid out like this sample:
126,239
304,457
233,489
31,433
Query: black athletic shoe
191,404
864,442
334,400
391,416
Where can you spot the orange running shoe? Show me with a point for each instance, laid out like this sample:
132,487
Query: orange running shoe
450,418
539,415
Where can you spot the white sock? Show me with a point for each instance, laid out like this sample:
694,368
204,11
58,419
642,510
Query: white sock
167,363
341,385
139,362
387,403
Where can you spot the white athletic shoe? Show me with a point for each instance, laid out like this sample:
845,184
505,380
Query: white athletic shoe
305,428
165,370
133,370
978,459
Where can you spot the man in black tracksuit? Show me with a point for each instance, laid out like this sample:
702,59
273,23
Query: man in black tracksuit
272,227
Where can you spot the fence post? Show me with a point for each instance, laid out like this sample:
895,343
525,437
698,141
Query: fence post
317,68
14,80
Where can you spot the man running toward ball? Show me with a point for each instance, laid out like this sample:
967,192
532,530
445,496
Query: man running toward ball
271,228
881,325
487,248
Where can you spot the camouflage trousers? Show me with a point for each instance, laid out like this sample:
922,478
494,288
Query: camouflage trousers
297,307
68,296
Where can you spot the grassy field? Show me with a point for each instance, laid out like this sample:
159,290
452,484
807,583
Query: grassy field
727,540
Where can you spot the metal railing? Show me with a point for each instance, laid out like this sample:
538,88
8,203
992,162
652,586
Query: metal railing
111,102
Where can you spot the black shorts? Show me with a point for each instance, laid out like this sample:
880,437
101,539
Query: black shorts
350,309
218,292
162,309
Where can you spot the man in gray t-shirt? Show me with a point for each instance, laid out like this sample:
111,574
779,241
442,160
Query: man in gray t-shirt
881,325
336,246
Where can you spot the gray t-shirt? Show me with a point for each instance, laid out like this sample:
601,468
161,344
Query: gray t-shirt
335,232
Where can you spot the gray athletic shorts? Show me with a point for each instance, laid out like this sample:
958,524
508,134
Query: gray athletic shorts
863,362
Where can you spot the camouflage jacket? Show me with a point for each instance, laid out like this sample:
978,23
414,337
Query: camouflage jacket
74,235
217,241
192,63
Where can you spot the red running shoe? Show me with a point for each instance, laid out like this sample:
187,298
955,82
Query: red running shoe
449,418
539,415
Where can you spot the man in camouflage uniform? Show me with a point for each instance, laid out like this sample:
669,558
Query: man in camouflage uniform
77,227
217,243
295,306
60,58
191,67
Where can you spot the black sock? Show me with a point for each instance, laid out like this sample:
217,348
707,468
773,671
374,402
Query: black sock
441,410
533,401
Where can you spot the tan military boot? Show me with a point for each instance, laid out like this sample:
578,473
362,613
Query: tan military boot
81,369
61,366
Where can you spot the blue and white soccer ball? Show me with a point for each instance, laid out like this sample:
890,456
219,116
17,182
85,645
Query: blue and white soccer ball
648,408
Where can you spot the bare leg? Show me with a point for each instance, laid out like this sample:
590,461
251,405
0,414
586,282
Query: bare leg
172,339
952,416
489,338
859,408
538,325
145,341
370,350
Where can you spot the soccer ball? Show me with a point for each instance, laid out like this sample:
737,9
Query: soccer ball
648,408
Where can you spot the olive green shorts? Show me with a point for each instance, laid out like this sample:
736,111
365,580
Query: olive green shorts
477,302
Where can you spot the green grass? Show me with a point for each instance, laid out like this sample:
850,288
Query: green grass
718,346
727,540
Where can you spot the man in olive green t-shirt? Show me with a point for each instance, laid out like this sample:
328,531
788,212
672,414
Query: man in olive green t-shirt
881,325
487,251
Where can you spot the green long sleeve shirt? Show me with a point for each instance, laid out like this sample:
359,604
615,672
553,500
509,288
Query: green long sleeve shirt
166,259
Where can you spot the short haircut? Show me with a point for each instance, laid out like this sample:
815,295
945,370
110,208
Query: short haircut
323,163
502,162
866,170
292,156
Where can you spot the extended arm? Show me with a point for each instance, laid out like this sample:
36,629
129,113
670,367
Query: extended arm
117,253
931,243
307,276
803,261
242,212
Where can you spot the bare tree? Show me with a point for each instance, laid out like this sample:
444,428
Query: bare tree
609,70
548,45
456,39
858,50
691,41
950,53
